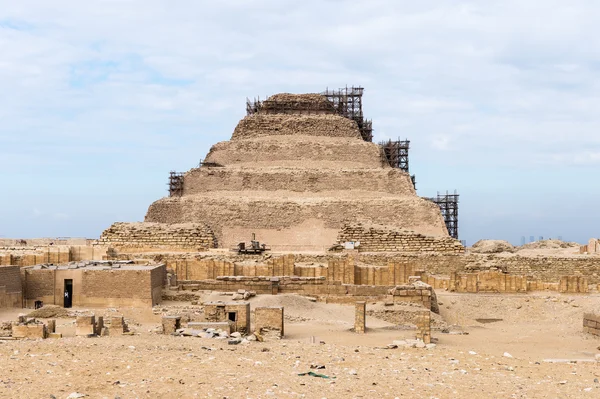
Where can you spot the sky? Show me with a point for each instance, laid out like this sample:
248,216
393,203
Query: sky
102,98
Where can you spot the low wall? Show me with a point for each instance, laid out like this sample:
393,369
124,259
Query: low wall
52,254
591,324
320,287
380,239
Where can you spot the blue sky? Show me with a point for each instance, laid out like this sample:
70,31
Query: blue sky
101,99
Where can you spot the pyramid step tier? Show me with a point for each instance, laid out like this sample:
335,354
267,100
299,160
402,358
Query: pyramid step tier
206,179
295,223
259,125
296,151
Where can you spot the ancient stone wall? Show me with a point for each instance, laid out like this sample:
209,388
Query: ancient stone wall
591,324
548,269
52,254
329,291
10,287
573,284
38,285
381,239
156,235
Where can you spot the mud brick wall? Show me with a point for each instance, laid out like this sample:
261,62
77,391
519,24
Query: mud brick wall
269,321
158,235
545,269
38,283
374,239
10,287
591,323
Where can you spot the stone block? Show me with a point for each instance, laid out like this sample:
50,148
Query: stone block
226,326
269,321
170,324
29,331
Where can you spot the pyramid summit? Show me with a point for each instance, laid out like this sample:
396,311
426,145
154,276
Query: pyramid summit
295,172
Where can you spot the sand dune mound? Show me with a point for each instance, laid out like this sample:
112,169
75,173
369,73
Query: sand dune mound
492,247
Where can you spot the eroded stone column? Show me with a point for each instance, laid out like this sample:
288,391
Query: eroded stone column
360,317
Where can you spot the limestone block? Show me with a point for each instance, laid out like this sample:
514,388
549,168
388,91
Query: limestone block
29,331
269,321
170,324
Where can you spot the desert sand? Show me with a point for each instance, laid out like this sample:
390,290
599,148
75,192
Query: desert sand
549,355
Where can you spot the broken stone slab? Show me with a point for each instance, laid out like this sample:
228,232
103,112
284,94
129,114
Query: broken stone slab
190,332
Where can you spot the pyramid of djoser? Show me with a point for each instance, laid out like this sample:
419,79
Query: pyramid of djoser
295,173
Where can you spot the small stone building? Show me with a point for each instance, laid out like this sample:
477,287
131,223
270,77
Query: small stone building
99,284
237,313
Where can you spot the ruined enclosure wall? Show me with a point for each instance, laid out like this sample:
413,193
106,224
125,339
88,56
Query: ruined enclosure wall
380,239
204,180
544,269
488,281
591,324
10,287
202,269
157,235
306,125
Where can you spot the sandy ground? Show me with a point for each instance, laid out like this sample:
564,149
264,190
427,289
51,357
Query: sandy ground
533,328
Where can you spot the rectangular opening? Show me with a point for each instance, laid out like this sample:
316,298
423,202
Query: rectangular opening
232,316
68,295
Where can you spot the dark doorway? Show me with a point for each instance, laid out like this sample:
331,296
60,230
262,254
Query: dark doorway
68,293
232,316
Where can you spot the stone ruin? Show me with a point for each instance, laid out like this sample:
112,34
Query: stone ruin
224,320
295,172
